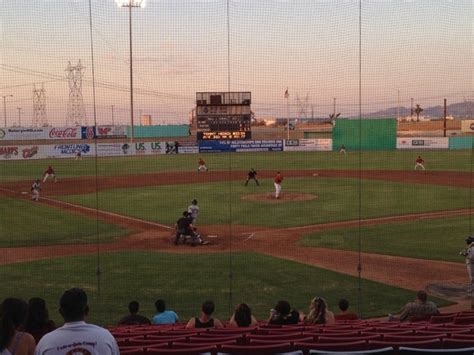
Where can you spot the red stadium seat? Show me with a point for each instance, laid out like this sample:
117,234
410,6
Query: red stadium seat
399,338
336,346
444,318
468,336
449,343
183,351
256,349
132,351
198,339
330,339
268,342
281,337
464,320
425,344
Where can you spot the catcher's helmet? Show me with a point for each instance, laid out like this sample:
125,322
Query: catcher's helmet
470,239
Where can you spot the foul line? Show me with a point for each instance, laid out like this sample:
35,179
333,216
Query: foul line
94,210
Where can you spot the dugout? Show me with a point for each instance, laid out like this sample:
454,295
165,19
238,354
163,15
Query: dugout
366,134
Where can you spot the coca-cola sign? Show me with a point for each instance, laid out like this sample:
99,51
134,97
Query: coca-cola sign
64,133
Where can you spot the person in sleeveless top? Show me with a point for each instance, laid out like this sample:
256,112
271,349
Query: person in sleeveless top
242,317
205,320
12,341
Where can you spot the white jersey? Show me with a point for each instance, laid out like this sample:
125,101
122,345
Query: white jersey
36,186
194,210
470,254
78,338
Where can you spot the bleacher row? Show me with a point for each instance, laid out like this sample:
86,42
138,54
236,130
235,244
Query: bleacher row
447,333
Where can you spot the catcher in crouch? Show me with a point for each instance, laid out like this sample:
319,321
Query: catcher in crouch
185,227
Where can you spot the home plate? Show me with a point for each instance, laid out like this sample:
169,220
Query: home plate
315,174
212,236
24,192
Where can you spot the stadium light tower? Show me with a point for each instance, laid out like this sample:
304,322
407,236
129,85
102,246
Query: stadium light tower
131,4
5,108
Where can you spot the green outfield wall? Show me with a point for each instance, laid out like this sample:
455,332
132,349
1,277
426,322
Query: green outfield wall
365,134
159,131
461,142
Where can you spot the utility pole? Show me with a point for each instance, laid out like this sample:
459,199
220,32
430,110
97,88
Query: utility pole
444,127
412,110
334,106
5,108
398,107
19,116
113,123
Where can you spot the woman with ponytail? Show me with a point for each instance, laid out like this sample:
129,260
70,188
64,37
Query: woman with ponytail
318,313
12,341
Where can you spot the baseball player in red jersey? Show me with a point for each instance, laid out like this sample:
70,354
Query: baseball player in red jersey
277,183
419,163
202,165
49,172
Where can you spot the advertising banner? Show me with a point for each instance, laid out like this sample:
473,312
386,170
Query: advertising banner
240,146
111,132
114,149
69,150
46,133
423,143
312,144
467,126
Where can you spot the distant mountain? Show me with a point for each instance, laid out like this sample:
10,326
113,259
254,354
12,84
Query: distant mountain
457,110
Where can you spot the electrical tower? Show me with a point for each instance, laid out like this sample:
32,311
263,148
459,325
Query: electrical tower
302,106
76,112
39,107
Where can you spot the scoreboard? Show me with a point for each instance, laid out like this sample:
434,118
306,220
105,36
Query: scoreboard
223,115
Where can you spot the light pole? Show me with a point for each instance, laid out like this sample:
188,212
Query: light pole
131,4
19,116
113,122
5,108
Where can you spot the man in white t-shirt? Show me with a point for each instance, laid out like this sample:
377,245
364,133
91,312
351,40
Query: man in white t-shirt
76,336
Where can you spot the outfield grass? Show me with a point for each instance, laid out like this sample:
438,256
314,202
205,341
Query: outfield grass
185,281
434,239
454,160
338,199
24,223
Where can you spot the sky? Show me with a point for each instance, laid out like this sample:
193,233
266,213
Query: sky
421,49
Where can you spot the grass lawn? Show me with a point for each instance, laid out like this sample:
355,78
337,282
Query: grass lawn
185,281
338,199
455,160
436,239
24,223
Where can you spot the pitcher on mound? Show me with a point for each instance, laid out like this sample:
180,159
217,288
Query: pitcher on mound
277,182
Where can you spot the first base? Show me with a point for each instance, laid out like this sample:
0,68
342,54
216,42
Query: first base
315,174
212,236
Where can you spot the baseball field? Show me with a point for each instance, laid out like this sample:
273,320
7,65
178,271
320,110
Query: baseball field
107,226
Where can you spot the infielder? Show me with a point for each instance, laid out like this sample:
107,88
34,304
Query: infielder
277,183
252,175
202,165
79,154
468,253
193,209
49,172
35,190
419,163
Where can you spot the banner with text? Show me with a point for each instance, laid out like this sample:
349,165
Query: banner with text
240,146
423,143
311,144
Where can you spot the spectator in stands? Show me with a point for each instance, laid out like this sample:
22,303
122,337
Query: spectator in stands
283,314
205,320
37,320
12,340
163,316
242,317
420,309
318,313
134,318
344,313
76,336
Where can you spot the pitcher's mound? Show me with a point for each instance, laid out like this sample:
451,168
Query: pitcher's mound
284,197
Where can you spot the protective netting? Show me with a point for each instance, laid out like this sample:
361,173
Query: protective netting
362,223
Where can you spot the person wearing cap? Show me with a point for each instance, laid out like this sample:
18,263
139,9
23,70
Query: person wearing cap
193,209
468,254
418,310
76,336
